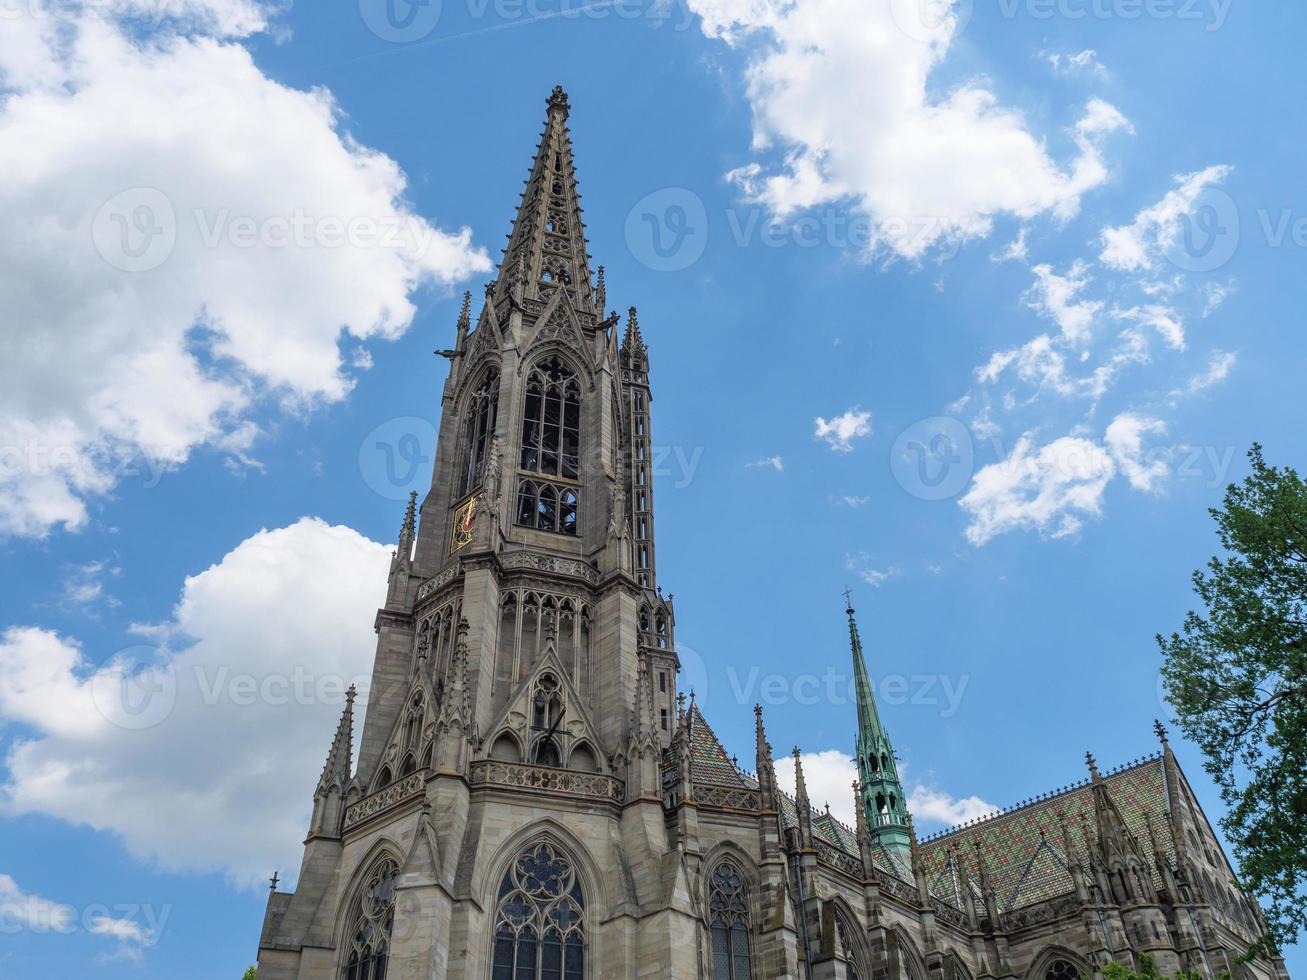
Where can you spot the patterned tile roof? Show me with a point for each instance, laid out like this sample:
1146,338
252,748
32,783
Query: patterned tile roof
709,763
1023,847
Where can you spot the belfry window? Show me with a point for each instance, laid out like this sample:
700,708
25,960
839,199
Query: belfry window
728,912
539,919
374,920
551,448
478,430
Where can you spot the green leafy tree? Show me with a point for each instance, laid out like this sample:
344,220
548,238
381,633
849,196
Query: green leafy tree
252,973
1237,678
1147,971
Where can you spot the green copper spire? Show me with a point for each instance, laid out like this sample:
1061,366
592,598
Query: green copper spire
882,793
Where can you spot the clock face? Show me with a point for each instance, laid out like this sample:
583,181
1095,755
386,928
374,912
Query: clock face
464,521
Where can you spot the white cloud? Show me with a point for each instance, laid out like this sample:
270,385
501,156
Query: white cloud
179,754
933,804
854,501
1165,320
839,432
841,89
1216,294
876,577
1053,488
829,776
1157,228
1055,297
1124,439
1219,365
1082,62
767,462
104,137
24,910
1047,488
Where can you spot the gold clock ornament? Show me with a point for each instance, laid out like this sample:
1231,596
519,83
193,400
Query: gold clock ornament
464,524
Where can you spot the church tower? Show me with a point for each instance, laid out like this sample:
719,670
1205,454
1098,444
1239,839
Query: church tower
524,688
878,776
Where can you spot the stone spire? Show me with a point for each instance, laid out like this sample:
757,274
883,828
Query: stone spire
882,792
632,342
547,248
408,529
763,762
329,797
464,323
336,771
802,805
601,292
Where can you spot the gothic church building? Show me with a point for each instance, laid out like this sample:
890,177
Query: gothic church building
534,799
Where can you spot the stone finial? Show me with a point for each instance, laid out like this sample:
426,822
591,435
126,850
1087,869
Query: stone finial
1160,729
601,291
1092,763
558,100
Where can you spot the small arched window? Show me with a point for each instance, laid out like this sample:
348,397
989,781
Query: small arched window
372,924
478,430
539,919
728,911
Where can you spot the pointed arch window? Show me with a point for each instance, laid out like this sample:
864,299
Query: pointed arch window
848,950
1061,970
478,430
539,919
551,421
728,911
372,925
546,715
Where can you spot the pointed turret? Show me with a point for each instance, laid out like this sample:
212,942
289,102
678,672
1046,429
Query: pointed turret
407,530
336,771
802,805
601,292
547,248
763,762
328,805
882,792
464,323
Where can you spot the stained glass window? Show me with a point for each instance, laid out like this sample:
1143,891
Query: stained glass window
728,912
374,920
539,919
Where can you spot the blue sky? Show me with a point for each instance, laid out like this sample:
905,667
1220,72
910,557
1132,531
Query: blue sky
1056,245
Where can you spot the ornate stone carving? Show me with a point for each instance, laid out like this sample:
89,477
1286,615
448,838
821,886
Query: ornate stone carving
549,563
726,797
590,785
386,797
835,858
440,581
